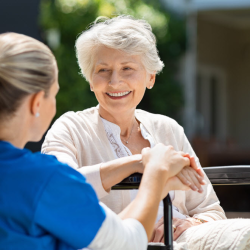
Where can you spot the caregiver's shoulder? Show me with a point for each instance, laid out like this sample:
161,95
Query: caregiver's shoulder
43,164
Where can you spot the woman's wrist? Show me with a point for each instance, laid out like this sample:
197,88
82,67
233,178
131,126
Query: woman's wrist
200,220
115,171
196,221
136,164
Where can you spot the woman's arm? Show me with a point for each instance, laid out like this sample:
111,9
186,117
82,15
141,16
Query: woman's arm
69,142
115,171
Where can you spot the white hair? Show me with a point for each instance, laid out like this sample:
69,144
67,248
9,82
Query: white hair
123,33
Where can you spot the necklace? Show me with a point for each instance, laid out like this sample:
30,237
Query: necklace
126,141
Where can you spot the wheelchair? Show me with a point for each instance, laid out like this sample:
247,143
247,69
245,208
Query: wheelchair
224,175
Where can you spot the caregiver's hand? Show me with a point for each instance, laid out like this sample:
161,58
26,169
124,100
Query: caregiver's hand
168,161
173,183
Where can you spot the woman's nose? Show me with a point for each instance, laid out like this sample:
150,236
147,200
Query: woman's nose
114,79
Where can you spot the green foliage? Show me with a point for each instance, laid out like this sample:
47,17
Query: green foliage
71,17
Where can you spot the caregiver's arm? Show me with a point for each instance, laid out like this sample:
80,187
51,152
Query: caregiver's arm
129,233
161,163
89,223
135,228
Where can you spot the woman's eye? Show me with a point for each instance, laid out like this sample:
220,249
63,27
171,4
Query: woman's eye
126,68
103,70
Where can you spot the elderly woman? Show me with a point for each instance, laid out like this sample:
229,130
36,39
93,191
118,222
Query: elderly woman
46,204
119,59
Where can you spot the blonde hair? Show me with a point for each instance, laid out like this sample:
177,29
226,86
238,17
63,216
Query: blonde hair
123,33
27,66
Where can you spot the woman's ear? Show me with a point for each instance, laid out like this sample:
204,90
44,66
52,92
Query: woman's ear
151,81
36,102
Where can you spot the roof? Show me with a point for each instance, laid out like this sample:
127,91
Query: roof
183,6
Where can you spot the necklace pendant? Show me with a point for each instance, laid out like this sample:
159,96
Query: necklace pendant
126,142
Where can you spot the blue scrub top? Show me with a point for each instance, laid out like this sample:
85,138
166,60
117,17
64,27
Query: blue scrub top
44,204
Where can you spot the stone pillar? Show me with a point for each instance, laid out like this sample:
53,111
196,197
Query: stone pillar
189,74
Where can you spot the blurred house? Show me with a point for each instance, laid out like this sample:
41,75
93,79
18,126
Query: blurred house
21,17
216,76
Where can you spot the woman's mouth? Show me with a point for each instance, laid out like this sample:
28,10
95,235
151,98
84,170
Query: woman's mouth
118,95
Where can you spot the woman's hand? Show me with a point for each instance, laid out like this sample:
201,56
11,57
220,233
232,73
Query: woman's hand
186,179
194,165
158,233
180,226
188,176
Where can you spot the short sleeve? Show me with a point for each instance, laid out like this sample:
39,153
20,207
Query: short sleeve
128,234
69,209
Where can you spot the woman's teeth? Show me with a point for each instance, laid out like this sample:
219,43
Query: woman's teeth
119,94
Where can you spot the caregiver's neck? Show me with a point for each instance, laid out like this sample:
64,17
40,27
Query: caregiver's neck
16,129
124,120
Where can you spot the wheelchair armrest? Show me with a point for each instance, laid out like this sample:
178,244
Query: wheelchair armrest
229,175
223,175
131,182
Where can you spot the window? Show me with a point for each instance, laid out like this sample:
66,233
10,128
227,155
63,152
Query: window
211,103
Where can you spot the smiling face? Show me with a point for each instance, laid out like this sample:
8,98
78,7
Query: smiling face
119,81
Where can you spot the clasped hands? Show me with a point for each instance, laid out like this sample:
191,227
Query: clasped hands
181,173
